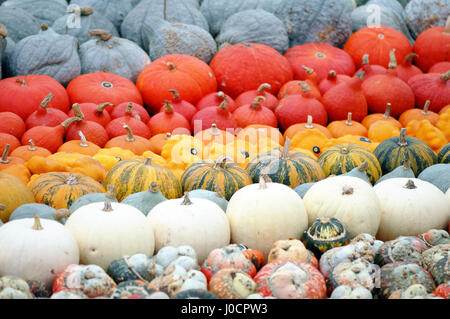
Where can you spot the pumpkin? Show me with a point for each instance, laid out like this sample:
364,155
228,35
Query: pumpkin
296,87
14,288
435,237
189,76
435,261
102,87
168,120
438,175
135,267
217,196
443,290
133,289
403,171
270,101
331,80
256,133
175,278
322,58
377,41
262,213
431,135
219,115
50,138
93,131
244,66
342,158
136,144
407,70
139,174
10,16
17,195
12,124
81,147
145,200
44,11
394,151
354,274
291,250
443,123
443,155
214,135
139,128
432,87
401,249
341,128
190,214
40,210
440,67
292,130
129,109
232,284
370,69
180,106
216,98
359,172
48,246
346,292
45,116
7,160
254,113
182,150
421,17
18,170
63,67
28,92
403,190
109,196
382,130
370,119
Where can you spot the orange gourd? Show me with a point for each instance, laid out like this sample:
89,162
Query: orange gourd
255,113
431,135
375,117
444,109
341,128
26,152
294,129
370,69
157,142
81,146
255,132
8,139
382,130
295,87
444,123
7,160
45,115
419,114
168,121
93,112
136,144
18,170
214,135
407,70
271,101
12,123
312,140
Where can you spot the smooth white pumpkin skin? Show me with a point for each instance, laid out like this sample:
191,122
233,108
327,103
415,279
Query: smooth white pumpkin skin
202,225
260,216
447,196
410,212
359,212
36,254
105,236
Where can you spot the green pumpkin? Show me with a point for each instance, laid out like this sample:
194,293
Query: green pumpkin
19,23
325,233
422,15
285,167
45,11
359,172
444,154
40,210
392,152
109,196
216,197
403,171
146,200
438,175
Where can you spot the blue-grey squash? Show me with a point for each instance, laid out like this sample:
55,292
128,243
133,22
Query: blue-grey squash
303,188
425,14
438,175
162,38
306,21
19,23
217,12
3,43
47,53
79,21
114,10
216,197
45,11
108,53
403,171
146,200
360,172
40,210
256,26
176,11
109,196
6,57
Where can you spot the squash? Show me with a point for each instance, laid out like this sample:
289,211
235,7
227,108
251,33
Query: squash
303,188
433,87
291,250
231,284
40,210
443,122
403,171
308,125
114,10
342,158
271,101
381,130
127,230
359,172
370,119
135,143
422,16
431,135
168,121
435,237
425,202
14,288
182,222
134,289
394,151
19,23
145,200
262,213
135,267
214,135
444,154
12,124
109,196
438,175
419,114
129,109
217,196
255,113
46,116
346,292
81,146
349,199
17,195
345,127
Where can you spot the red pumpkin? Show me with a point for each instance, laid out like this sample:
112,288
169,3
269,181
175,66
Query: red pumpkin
219,115
431,86
407,70
254,255
130,109
102,87
93,112
295,109
243,67
388,88
432,46
322,58
440,67
181,106
271,101
377,41
190,76
12,123
167,121
295,87
331,80
214,99
370,69
93,131
23,94
255,113
8,139
47,137
139,128
46,116
344,98
443,290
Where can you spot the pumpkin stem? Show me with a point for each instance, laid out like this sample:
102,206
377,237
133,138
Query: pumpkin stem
365,59
111,192
263,87
360,75
129,109
410,184
446,76
21,81
409,58
308,71
309,123
4,159
101,107
83,142
387,113
447,26
426,107
221,95
402,138
32,146
104,35
349,119
392,60
406,164
219,191
262,181
2,207
214,130
347,190
107,207
61,213
286,148
37,223
168,135
224,105
171,66
168,107
44,27
186,199
148,161
332,75
3,31
153,187
71,120
46,101
363,166
305,87
77,111
137,117
175,93
257,102
222,162
71,180
344,150
84,11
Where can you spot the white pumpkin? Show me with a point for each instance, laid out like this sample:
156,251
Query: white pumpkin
447,196
349,199
262,213
108,231
410,207
196,222
36,249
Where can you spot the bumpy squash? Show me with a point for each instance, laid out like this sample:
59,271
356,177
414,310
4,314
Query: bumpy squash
17,195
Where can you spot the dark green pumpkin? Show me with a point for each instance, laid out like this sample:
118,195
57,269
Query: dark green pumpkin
394,151
195,294
403,171
146,200
438,175
444,154
325,233
40,210
285,167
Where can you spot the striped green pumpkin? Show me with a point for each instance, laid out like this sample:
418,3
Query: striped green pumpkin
286,167
209,174
135,175
343,158
392,153
444,154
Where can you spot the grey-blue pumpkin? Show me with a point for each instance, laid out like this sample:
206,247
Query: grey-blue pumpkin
403,171
257,26
176,11
438,175
78,23
40,210
163,38
109,196
3,43
6,57
19,23
360,172
47,53
215,197
45,11
303,188
146,200
107,53
425,14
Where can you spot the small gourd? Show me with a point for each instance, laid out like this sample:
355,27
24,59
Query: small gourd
109,196
146,200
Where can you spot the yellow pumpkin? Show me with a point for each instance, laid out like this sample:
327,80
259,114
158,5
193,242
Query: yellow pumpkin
312,140
182,150
382,130
358,140
109,157
444,123
157,159
17,194
431,135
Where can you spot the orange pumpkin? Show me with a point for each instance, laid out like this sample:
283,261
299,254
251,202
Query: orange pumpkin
81,146
6,160
375,117
294,129
157,142
214,135
341,128
136,144
419,114
311,140
382,130
431,135
444,123
26,152
255,132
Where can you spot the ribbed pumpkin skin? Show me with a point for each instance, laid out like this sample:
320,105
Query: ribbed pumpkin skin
16,195
61,189
444,154
208,174
292,171
336,161
133,175
391,155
